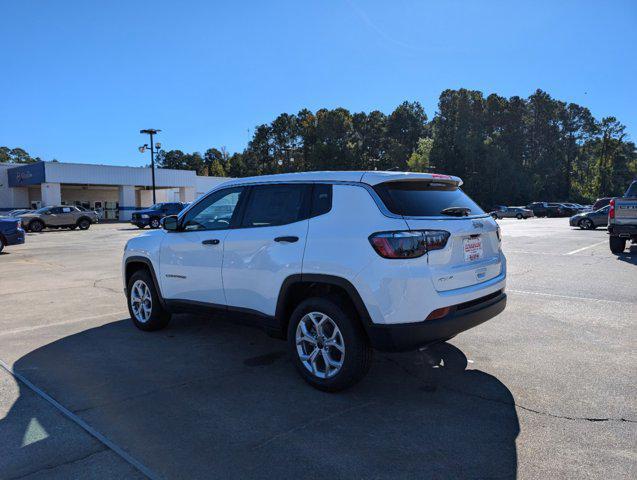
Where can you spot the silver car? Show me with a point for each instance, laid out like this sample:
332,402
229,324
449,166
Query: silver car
512,212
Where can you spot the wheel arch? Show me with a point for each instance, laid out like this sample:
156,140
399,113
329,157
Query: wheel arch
136,263
296,288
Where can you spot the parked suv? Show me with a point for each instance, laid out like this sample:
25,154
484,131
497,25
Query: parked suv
63,216
337,263
152,216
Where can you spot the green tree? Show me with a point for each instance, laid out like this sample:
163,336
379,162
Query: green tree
419,159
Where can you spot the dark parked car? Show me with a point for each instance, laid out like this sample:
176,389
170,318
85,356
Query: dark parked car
559,210
11,232
601,202
590,220
539,209
152,216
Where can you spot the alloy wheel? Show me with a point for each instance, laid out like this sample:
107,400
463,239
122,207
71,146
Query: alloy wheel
320,345
141,301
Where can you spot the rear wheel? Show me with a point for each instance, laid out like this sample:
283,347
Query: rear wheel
143,303
36,226
617,245
1,244
328,344
84,223
519,216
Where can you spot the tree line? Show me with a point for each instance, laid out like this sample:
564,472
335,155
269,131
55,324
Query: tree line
507,150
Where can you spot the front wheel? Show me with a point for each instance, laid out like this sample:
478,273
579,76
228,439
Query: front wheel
617,245
519,216
143,303
586,224
154,223
328,344
1,244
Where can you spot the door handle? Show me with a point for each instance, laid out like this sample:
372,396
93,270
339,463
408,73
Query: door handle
289,239
212,241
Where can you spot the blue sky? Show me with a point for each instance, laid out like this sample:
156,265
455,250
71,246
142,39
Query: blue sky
79,79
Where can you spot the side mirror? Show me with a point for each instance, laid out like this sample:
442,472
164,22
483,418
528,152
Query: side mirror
170,223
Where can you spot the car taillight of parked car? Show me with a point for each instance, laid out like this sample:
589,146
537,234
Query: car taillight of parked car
408,243
611,211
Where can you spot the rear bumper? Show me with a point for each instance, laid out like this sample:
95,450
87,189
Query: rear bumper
411,336
624,231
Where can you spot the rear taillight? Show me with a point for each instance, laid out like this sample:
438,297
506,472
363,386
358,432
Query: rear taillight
408,243
611,211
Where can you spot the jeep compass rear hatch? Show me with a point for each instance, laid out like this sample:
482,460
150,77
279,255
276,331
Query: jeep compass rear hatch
471,254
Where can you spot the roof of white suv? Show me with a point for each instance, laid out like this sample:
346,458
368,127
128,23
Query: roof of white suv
368,177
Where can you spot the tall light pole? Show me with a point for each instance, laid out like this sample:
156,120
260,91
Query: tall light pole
151,132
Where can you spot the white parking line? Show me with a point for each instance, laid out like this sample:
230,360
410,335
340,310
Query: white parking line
57,324
585,248
81,423
569,297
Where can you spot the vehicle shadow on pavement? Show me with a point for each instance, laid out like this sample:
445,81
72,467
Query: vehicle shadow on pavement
630,256
210,398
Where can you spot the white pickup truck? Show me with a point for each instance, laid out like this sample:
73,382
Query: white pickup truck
622,219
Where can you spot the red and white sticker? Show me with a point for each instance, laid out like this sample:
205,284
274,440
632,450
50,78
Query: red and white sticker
472,249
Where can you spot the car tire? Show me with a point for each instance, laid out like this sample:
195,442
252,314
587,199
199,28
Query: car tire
36,226
519,216
84,223
144,305
154,223
617,245
1,244
586,224
339,341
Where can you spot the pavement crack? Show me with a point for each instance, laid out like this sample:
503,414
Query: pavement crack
514,404
95,284
57,465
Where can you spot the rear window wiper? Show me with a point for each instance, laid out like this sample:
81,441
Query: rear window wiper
456,211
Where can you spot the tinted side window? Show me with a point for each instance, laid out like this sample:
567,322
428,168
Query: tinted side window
215,212
270,205
56,210
321,199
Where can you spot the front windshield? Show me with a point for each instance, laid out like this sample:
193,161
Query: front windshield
157,206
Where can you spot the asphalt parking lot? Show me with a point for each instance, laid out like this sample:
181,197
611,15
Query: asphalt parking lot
545,390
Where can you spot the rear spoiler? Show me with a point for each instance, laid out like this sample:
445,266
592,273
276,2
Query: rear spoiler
374,178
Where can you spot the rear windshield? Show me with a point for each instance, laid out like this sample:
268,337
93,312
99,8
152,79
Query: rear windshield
632,190
424,199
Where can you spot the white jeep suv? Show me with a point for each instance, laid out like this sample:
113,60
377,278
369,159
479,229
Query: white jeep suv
337,263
